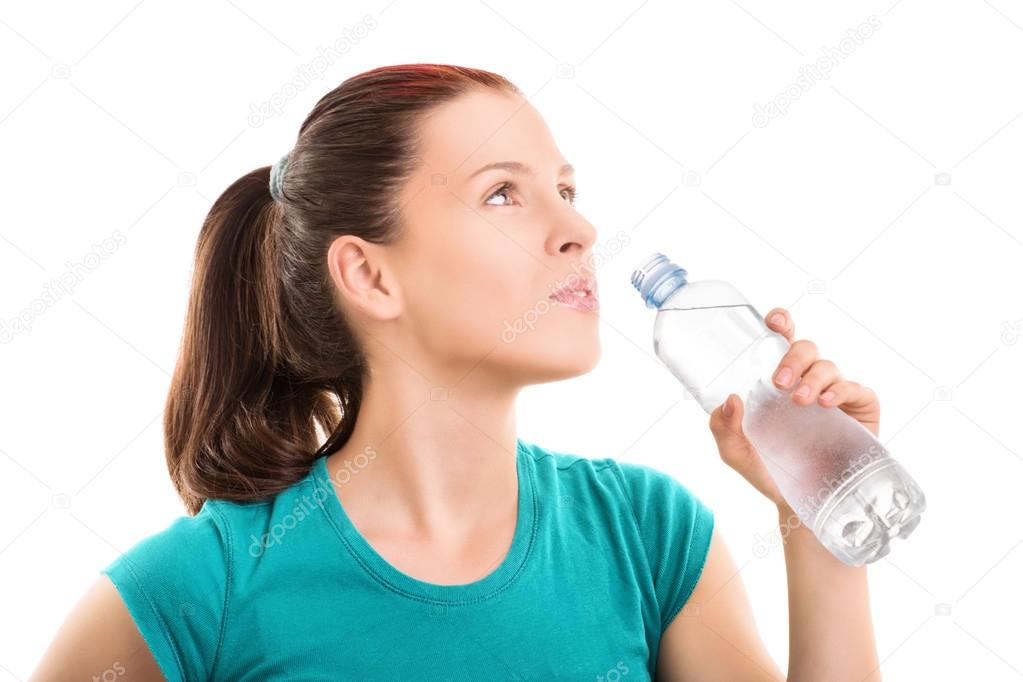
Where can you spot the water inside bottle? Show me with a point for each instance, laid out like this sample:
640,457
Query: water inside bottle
836,475
743,349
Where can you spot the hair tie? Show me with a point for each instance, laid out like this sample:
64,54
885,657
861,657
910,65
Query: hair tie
277,177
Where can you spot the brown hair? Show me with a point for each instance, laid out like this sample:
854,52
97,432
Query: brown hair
266,355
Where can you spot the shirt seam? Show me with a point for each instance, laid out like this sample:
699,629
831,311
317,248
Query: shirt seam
578,459
702,519
632,510
168,640
225,528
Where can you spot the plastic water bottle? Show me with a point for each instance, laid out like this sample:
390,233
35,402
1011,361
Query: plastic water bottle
838,478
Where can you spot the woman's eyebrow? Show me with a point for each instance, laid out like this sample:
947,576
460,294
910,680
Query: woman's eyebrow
519,168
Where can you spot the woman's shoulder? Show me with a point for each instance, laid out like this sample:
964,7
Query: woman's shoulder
640,485
184,540
671,525
175,584
178,583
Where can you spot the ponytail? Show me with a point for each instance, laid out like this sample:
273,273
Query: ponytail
267,359
238,424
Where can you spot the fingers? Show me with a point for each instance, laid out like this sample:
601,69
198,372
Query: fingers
726,422
731,412
838,392
812,379
800,355
849,394
779,320
821,376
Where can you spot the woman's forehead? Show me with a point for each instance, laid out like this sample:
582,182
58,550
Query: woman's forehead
481,128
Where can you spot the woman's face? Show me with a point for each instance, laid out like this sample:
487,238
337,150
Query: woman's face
485,247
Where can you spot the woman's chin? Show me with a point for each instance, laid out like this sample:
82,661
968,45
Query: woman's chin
568,363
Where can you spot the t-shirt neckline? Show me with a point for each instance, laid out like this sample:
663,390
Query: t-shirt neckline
394,579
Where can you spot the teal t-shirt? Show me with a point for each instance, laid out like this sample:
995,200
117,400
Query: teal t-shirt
604,555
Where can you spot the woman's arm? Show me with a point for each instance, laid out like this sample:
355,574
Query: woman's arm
830,631
714,636
98,640
831,636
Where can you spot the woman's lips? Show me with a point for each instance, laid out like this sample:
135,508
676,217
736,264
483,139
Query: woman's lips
584,300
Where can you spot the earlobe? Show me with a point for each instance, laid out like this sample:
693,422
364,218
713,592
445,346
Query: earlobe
360,274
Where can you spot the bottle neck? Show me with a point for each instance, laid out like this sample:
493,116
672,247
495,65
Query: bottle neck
657,278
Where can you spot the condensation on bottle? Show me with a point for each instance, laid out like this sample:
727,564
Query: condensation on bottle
839,479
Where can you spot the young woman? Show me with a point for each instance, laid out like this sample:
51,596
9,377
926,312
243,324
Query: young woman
362,288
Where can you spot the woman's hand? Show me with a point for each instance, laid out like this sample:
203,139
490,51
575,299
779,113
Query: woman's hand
815,380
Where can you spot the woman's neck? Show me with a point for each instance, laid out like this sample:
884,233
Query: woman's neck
426,460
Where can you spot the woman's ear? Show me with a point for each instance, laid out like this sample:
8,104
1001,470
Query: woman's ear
363,279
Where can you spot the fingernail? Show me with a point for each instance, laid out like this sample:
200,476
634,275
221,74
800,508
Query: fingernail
783,376
777,319
828,396
803,391
726,408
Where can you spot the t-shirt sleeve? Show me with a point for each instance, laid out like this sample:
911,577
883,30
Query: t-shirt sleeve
676,528
175,586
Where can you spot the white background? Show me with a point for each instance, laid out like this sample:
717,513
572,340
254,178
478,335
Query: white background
882,209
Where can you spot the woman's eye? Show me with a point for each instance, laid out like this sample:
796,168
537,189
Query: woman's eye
500,191
570,193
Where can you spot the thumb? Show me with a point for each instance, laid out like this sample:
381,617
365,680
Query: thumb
726,426
737,451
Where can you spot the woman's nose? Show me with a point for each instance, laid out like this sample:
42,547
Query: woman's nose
573,234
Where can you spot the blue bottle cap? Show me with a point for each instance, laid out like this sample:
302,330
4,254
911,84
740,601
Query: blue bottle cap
656,278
